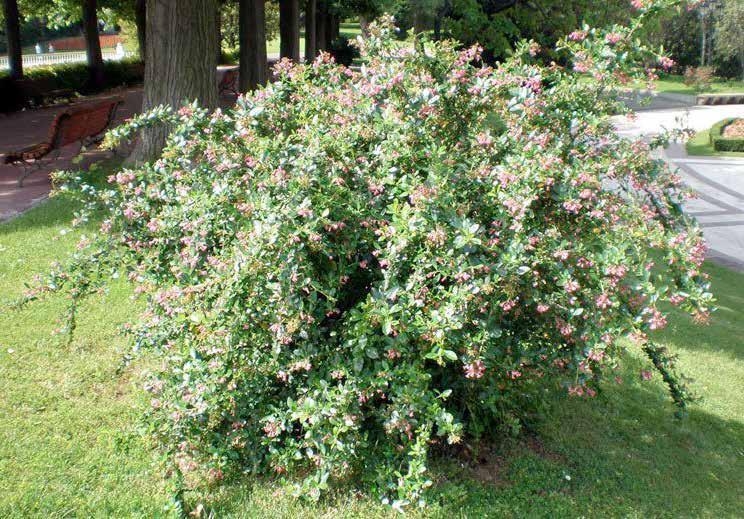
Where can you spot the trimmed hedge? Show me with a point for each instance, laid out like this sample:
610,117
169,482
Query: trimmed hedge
73,76
721,143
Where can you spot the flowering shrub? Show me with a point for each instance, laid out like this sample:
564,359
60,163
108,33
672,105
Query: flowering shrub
351,267
700,78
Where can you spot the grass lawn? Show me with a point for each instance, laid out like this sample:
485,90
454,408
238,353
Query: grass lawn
69,419
700,145
675,85
348,29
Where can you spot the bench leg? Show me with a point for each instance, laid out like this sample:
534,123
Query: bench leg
27,169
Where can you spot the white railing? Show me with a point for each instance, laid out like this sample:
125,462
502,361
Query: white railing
56,58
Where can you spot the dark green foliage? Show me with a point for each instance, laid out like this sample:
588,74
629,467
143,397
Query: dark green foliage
342,50
721,143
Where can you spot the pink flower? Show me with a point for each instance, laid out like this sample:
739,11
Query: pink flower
272,429
603,301
657,320
577,35
483,139
613,37
508,305
572,206
542,308
666,62
646,375
514,374
571,286
564,328
475,369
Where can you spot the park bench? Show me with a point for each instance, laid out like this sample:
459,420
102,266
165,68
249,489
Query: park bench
229,82
83,125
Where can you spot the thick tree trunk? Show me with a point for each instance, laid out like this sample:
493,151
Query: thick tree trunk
93,43
289,29
180,63
253,62
310,34
218,31
140,19
320,26
13,33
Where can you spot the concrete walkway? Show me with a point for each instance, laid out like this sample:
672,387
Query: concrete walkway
719,181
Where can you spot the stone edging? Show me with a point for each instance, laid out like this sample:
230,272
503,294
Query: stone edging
720,99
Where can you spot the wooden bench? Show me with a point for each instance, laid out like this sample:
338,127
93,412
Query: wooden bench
83,125
229,82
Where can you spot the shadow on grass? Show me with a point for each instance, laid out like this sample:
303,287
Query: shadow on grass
59,210
620,455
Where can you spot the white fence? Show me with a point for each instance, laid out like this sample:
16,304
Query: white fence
56,58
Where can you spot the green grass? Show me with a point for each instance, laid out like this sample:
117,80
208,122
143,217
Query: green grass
675,85
700,145
69,416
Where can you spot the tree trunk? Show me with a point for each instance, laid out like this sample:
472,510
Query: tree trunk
180,63
93,43
329,26
289,29
703,33
218,31
320,26
364,24
336,25
140,19
310,26
13,33
253,62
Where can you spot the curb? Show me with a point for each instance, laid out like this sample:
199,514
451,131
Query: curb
720,99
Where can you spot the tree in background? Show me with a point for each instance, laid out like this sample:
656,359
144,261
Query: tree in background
61,13
252,29
289,29
140,20
311,49
730,29
92,43
13,35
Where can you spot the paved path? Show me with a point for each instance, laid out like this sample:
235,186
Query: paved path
25,128
719,181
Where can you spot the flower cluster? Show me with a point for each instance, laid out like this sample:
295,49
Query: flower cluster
351,267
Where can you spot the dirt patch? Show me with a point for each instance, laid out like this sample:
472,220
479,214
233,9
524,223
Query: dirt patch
483,462
534,444
491,471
